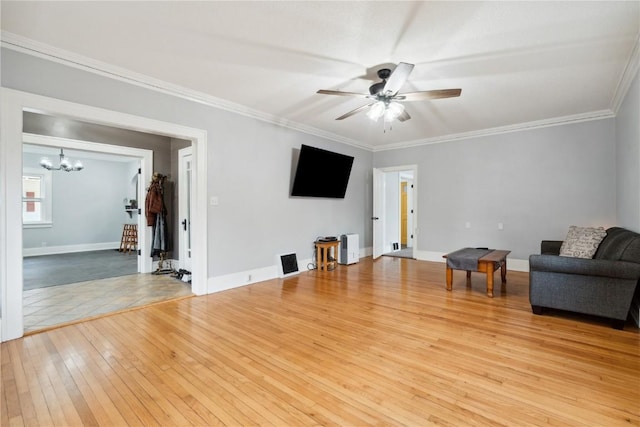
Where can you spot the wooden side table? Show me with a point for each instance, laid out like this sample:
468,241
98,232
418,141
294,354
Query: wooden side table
322,254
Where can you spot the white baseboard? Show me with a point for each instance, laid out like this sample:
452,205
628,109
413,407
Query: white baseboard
243,278
52,250
235,280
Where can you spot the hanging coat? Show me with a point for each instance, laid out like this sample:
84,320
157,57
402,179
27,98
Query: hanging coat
153,203
159,242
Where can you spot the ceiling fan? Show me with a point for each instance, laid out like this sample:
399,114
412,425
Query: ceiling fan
385,96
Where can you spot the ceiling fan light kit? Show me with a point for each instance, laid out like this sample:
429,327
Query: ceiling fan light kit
386,96
390,111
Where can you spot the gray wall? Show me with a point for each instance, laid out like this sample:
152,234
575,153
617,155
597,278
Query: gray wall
84,209
628,158
249,164
536,182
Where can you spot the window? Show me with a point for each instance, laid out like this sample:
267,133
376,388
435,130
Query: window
36,198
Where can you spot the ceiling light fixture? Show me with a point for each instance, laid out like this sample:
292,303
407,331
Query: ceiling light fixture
389,110
65,164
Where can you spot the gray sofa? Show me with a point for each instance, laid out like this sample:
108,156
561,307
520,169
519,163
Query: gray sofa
603,286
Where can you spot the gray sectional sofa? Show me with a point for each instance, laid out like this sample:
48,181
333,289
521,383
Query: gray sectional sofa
603,286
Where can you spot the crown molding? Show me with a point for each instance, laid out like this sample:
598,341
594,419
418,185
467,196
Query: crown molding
538,124
42,50
31,47
629,73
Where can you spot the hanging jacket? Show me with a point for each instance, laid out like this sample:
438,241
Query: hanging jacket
153,203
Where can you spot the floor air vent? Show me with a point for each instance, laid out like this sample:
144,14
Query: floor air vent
288,264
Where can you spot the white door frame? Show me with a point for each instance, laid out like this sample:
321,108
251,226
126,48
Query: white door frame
146,161
13,104
378,205
378,213
184,208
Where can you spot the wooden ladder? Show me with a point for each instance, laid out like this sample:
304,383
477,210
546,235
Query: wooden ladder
129,239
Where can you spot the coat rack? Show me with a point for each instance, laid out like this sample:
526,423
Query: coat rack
156,212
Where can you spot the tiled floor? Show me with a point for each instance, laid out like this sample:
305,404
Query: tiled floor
47,307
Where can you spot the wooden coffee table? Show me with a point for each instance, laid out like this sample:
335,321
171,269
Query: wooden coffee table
488,264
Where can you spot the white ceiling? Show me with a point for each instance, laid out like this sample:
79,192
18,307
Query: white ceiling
519,64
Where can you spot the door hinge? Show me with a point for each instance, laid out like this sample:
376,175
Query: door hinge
411,210
139,171
411,185
139,211
139,252
412,236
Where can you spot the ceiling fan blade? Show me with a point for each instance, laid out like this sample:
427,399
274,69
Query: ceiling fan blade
430,94
404,116
337,92
397,78
352,112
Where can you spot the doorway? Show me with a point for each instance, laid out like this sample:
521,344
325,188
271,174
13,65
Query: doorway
14,104
141,158
395,210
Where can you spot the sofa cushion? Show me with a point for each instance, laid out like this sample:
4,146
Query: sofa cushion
582,242
620,244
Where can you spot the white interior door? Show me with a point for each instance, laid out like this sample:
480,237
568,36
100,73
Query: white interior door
185,197
378,212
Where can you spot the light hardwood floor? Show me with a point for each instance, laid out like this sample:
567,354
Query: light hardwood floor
373,343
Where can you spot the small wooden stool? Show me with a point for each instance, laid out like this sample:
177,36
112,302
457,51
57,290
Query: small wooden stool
322,255
129,239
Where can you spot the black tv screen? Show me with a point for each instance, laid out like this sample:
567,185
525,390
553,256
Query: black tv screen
321,173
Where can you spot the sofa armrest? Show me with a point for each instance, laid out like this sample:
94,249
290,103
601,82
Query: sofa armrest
550,247
586,267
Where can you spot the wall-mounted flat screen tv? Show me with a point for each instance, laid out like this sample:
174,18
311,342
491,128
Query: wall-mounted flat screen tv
321,173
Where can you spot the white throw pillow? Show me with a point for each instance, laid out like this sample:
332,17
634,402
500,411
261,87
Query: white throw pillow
582,242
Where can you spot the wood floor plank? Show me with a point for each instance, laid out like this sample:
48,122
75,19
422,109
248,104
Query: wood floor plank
62,406
375,343
226,372
145,358
82,363
43,417
109,363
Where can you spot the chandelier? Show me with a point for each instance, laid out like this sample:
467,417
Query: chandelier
65,164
